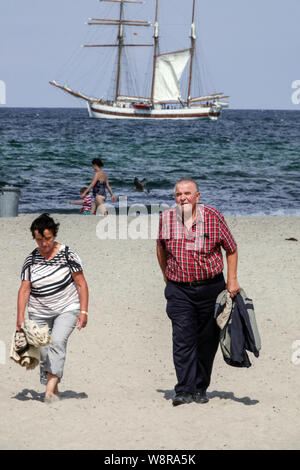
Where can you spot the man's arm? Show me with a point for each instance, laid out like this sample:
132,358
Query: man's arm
162,259
232,285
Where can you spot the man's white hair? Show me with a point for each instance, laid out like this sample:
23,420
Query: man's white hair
187,180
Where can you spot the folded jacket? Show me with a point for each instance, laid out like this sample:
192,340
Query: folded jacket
240,332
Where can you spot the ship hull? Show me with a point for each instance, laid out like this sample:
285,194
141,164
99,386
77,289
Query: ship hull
103,111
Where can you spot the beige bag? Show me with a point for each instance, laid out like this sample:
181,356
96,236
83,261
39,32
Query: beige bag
25,347
29,358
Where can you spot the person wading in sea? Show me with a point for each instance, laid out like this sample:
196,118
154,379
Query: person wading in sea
99,184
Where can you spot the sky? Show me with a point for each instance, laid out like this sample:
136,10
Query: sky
251,49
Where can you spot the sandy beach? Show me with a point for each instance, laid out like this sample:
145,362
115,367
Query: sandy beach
119,376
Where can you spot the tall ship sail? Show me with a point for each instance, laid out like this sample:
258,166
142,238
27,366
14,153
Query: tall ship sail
164,98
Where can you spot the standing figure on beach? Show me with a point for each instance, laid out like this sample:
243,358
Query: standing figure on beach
86,203
55,291
99,185
189,254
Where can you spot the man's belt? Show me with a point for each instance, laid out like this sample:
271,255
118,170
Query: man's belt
202,282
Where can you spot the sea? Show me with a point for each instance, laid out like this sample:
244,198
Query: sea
247,163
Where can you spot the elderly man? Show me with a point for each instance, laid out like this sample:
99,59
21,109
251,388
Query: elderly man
189,254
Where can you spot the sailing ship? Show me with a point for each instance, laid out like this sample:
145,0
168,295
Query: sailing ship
165,99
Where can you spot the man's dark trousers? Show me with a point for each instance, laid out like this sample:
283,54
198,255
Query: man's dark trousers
195,332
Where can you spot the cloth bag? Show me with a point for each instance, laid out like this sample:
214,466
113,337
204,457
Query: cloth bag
26,343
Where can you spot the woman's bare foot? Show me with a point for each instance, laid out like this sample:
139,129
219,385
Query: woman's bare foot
51,389
50,398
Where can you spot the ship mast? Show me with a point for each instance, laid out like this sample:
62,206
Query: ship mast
121,22
156,41
120,40
193,41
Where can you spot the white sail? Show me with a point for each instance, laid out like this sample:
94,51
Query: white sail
169,69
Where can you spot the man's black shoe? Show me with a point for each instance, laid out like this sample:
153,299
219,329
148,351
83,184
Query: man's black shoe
200,397
182,398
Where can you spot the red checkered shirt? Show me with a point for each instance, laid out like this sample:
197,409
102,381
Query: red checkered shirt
194,255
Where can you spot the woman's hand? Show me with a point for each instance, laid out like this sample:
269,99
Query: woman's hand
82,321
113,198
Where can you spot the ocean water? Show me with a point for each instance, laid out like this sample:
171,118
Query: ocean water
246,163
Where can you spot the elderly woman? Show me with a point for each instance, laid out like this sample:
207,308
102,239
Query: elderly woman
55,292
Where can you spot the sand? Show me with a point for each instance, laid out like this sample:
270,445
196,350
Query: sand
119,376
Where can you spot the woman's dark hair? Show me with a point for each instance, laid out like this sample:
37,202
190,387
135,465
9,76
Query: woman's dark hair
98,162
44,222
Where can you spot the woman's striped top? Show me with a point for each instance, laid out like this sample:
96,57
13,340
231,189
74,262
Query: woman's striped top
53,290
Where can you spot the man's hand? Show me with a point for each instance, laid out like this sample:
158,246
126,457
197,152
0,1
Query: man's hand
233,287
